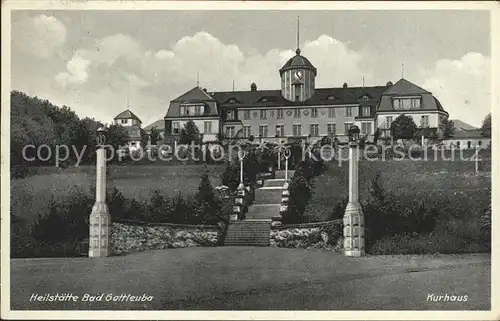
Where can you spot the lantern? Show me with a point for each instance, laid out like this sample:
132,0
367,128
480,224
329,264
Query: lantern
354,134
101,136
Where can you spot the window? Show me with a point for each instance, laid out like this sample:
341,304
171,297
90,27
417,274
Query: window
331,112
366,111
366,128
182,110
388,121
175,128
406,103
280,130
348,111
314,112
297,97
230,131
124,121
424,122
479,143
297,130
296,113
314,130
230,115
263,114
198,110
263,130
207,127
331,129
246,114
346,128
279,114
247,131
458,144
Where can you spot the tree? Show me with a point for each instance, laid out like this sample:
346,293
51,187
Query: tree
403,127
190,134
117,136
155,135
447,127
486,126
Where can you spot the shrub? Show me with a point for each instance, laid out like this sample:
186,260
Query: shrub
300,193
386,216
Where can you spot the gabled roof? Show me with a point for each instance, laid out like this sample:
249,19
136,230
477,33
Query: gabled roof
134,132
404,87
343,96
196,93
467,134
127,114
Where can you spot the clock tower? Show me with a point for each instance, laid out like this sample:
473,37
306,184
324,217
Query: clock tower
297,78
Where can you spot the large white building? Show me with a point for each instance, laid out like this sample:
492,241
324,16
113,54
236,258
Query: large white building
299,110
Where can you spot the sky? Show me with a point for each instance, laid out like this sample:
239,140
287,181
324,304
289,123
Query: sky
100,63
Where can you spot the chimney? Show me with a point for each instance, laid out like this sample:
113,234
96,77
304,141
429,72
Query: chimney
253,87
205,89
389,83
344,85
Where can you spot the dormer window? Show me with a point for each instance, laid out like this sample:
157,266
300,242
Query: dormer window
232,101
405,103
230,115
264,100
365,97
331,97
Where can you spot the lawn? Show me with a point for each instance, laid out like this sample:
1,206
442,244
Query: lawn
30,196
451,183
244,278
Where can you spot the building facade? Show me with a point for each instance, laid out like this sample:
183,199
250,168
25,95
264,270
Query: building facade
132,123
299,110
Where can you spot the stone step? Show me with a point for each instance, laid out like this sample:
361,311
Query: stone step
263,211
249,233
274,183
268,196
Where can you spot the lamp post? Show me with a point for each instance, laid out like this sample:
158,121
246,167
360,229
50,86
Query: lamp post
477,159
287,155
241,156
100,220
354,225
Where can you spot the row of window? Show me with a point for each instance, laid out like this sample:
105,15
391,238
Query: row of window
207,127
406,103
424,121
331,129
297,113
194,110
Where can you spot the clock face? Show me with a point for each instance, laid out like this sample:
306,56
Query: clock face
298,74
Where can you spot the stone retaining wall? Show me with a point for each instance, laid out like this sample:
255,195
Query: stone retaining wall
325,235
129,237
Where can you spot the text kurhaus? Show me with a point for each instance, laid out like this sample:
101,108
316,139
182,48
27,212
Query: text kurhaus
446,298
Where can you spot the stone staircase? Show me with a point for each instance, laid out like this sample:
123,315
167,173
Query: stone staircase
248,233
255,230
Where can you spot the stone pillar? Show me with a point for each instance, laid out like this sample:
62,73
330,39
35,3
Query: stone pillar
354,224
239,204
100,220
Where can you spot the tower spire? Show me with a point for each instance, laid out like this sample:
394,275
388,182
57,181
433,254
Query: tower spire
198,79
298,36
402,70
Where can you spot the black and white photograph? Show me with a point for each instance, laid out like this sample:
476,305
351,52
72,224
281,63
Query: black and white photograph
260,160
